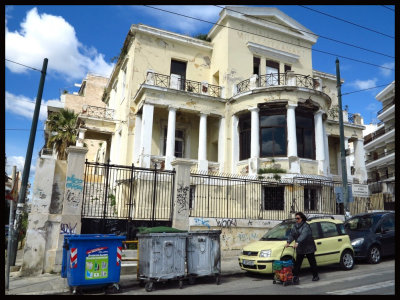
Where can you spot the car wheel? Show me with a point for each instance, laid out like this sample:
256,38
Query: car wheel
347,260
374,255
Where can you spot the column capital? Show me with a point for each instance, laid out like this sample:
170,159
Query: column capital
256,109
204,114
170,107
291,105
319,111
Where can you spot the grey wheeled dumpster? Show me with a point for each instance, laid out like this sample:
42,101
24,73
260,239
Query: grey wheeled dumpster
203,254
162,257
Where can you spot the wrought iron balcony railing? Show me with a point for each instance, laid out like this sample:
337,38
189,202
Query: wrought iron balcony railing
385,108
275,79
377,156
374,135
97,112
183,84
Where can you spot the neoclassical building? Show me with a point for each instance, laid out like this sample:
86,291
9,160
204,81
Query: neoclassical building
244,100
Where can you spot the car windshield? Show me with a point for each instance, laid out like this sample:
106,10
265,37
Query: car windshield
278,233
362,223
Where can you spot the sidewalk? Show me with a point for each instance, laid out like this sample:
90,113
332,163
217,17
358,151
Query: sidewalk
54,284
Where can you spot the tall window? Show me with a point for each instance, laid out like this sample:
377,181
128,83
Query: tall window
256,65
272,73
179,142
178,74
244,136
310,198
305,135
274,197
272,132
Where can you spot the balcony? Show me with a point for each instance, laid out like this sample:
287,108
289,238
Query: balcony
386,107
97,112
279,79
174,82
376,134
379,156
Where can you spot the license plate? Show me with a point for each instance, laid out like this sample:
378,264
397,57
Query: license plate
248,262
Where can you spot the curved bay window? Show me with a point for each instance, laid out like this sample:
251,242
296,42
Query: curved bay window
305,132
244,136
273,132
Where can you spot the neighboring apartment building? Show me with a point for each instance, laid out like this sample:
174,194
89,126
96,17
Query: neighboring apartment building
87,103
247,100
380,147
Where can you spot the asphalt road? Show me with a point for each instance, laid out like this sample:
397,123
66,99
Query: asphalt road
364,279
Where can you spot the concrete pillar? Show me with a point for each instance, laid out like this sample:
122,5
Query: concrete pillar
137,138
36,234
170,144
146,135
81,137
221,144
327,167
319,141
235,142
294,164
180,217
359,160
202,152
253,81
254,141
348,164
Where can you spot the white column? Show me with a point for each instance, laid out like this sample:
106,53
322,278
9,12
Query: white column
327,167
359,160
137,138
291,130
235,142
254,141
319,141
202,152
221,144
146,135
348,166
81,137
170,145
294,164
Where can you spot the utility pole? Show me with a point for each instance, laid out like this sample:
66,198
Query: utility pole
342,150
28,159
14,186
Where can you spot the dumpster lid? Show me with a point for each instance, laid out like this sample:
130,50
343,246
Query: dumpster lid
95,237
159,229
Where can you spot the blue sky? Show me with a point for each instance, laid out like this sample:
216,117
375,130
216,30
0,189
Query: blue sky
85,38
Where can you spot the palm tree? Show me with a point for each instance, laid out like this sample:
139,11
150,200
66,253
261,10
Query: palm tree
63,124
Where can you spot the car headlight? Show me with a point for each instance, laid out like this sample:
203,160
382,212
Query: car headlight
265,253
357,242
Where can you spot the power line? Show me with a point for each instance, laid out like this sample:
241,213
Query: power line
320,12
309,32
22,65
374,87
313,49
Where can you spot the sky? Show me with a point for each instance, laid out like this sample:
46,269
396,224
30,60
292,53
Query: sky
81,39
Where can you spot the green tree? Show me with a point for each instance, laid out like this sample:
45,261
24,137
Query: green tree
63,124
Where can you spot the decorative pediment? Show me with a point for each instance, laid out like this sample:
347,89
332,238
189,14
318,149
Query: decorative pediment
272,53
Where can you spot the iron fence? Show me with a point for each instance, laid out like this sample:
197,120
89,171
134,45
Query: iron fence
127,192
246,197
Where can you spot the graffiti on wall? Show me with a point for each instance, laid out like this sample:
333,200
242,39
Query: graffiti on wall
202,222
74,188
226,223
182,198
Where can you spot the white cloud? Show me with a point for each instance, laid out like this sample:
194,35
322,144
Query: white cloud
24,106
364,84
17,161
47,36
386,72
183,24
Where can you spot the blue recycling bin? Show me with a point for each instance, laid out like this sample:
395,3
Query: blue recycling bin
92,260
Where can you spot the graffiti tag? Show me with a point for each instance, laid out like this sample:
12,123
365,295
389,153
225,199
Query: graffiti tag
67,229
182,197
74,183
202,222
226,223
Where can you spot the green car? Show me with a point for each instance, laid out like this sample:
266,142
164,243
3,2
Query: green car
333,246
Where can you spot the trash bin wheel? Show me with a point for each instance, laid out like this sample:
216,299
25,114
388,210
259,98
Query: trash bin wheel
218,279
192,279
274,281
149,286
115,288
180,283
141,283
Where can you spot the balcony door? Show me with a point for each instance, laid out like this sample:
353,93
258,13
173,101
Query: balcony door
272,77
178,75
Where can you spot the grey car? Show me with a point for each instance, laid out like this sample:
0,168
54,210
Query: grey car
372,235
